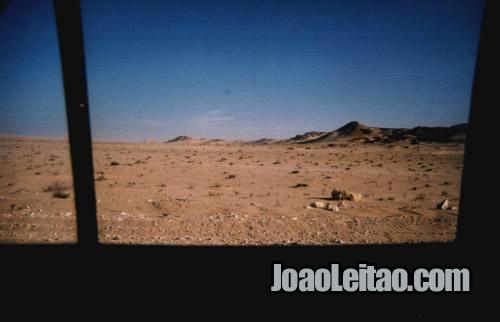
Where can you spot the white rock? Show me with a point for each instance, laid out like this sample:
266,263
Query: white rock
443,204
318,204
332,207
343,204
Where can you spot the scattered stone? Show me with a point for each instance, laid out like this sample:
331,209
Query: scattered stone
332,207
317,204
56,186
343,204
156,204
443,204
344,195
454,208
113,163
61,194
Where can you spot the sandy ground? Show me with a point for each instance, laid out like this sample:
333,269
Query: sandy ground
236,194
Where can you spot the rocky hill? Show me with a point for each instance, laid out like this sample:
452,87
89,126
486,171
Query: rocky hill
356,131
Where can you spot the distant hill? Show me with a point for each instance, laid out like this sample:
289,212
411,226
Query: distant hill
306,136
356,131
196,141
181,138
264,141
211,141
351,132
454,133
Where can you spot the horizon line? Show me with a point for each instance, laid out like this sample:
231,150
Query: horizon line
124,140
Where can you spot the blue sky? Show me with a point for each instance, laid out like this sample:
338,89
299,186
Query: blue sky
243,70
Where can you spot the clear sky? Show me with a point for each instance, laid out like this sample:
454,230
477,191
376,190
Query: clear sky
243,69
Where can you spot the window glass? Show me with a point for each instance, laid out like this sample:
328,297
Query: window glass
36,196
279,122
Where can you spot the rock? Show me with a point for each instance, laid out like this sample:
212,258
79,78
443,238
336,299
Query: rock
61,194
454,208
113,163
345,195
343,204
443,204
356,196
332,207
318,204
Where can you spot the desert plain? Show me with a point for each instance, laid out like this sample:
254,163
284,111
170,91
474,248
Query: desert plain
189,191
